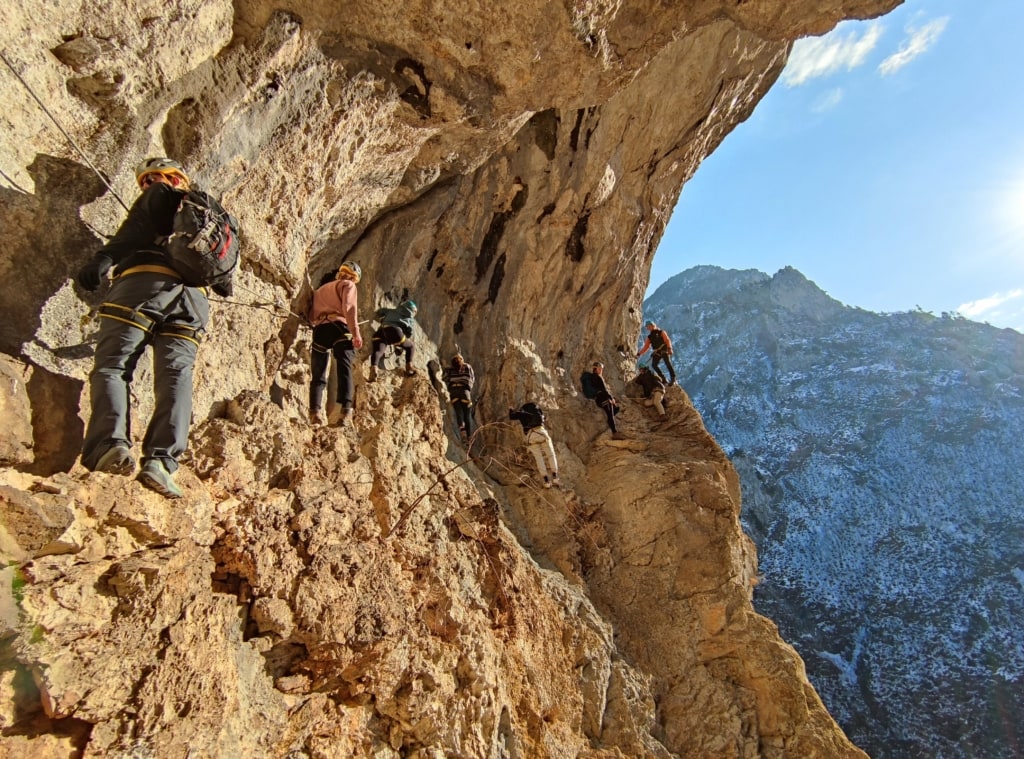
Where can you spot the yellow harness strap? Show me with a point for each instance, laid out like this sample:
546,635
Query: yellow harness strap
158,269
181,331
127,315
120,313
150,269
325,348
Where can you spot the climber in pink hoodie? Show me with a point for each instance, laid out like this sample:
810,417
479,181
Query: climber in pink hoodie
335,331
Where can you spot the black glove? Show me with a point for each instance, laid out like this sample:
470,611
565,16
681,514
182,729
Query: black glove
223,289
90,275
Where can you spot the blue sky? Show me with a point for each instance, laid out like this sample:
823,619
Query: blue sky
887,165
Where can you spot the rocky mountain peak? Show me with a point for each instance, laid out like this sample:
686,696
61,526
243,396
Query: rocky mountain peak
792,291
882,484
702,283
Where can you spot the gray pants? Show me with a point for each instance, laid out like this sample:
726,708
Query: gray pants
145,309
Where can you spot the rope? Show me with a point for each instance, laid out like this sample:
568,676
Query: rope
267,306
13,184
261,306
63,131
264,305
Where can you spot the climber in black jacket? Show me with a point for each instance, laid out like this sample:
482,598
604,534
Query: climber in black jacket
148,304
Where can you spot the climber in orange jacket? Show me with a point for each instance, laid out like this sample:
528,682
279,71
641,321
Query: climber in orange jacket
658,339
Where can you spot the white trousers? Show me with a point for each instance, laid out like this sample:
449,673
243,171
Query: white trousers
655,400
539,442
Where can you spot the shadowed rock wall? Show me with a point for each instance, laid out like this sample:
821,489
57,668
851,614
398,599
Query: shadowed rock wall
512,170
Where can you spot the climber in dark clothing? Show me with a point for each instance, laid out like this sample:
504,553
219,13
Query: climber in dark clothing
459,379
396,326
654,389
659,340
148,304
604,398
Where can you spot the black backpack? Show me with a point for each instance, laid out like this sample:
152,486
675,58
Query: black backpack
590,387
534,415
203,248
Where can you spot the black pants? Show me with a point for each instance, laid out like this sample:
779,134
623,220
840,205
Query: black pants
332,338
390,334
464,416
146,308
662,356
607,404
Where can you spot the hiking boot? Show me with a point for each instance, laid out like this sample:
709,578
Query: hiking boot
555,481
154,475
547,484
316,417
410,372
339,417
117,460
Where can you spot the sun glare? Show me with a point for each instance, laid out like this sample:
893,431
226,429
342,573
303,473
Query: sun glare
1008,216
1011,207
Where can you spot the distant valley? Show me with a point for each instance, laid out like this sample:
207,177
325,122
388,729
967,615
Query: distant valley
883,482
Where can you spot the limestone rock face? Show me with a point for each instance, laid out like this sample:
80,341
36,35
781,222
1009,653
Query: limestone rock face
374,591
16,411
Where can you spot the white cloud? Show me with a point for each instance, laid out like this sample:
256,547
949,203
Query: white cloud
828,101
989,307
820,56
918,41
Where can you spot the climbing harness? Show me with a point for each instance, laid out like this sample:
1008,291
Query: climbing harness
127,315
135,318
182,332
150,269
341,337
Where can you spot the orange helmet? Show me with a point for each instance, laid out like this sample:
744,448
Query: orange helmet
352,269
165,166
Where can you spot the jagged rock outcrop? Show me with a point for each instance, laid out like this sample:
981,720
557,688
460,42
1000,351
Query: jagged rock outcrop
880,464
513,169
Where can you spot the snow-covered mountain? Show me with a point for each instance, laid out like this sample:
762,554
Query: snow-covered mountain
883,481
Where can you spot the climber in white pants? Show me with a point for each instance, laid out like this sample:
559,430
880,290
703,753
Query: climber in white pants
531,416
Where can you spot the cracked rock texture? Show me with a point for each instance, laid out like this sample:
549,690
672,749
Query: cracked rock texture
375,591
